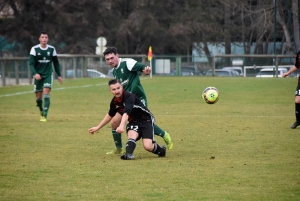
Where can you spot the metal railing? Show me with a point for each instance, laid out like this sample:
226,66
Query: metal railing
16,71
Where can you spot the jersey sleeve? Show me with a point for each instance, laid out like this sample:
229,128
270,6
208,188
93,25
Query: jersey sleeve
112,111
129,102
133,65
32,61
56,63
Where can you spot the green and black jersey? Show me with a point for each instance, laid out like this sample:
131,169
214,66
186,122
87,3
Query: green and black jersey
128,73
40,60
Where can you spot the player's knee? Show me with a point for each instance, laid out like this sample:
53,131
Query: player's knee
148,146
297,100
114,125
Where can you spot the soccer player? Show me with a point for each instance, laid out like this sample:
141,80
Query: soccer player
127,71
140,119
40,61
297,94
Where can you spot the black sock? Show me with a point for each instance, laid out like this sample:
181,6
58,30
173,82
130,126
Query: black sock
39,103
130,146
297,111
157,149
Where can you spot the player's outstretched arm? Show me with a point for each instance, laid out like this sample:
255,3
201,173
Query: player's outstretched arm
293,69
104,121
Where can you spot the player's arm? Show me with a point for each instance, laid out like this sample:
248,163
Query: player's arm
133,65
32,64
56,66
129,102
104,121
293,69
124,119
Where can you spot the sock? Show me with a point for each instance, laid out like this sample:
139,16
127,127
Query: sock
157,149
130,146
297,111
46,104
39,103
158,131
117,138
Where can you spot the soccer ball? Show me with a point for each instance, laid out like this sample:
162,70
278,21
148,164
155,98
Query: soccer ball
210,95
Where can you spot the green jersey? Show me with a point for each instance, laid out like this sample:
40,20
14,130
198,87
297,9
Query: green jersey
128,73
40,60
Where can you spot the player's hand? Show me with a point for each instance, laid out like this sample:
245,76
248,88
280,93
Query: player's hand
120,129
93,130
147,70
60,80
285,75
37,77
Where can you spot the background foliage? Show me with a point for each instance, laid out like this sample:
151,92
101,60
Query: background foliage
171,26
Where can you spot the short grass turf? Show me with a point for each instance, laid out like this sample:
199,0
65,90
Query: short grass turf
241,148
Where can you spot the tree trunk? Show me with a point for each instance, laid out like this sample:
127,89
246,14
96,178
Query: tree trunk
295,6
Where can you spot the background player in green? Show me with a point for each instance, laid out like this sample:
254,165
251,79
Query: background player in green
127,71
40,61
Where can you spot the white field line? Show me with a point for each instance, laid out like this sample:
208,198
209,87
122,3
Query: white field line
62,88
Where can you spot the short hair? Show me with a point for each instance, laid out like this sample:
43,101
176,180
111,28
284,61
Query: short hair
43,32
113,81
110,50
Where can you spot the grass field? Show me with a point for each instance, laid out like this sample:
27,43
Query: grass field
241,148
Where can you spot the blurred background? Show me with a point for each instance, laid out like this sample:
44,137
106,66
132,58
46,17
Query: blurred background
188,37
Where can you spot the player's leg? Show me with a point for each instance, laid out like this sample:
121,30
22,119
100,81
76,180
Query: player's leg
48,80
157,130
165,135
115,122
297,107
38,90
147,133
132,136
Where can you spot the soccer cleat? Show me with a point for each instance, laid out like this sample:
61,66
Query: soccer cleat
43,119
127,156
295,125
116,151
163,151
168,140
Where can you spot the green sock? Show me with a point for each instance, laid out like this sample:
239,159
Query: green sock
46,104
39,104
117,138
158,131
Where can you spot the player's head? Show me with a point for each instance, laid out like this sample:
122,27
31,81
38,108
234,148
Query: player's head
115,87
43,38
111,56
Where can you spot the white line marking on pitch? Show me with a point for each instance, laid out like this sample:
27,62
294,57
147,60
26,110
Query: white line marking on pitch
62,88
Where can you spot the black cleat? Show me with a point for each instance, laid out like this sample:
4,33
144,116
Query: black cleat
127,156
163,151
295,125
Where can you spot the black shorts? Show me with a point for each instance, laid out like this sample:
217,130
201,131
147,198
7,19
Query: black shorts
144,129
297,93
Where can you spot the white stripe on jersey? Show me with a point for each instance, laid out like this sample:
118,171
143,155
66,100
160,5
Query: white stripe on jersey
129,63
147,111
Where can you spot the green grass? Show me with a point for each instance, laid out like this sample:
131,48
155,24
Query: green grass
241,148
